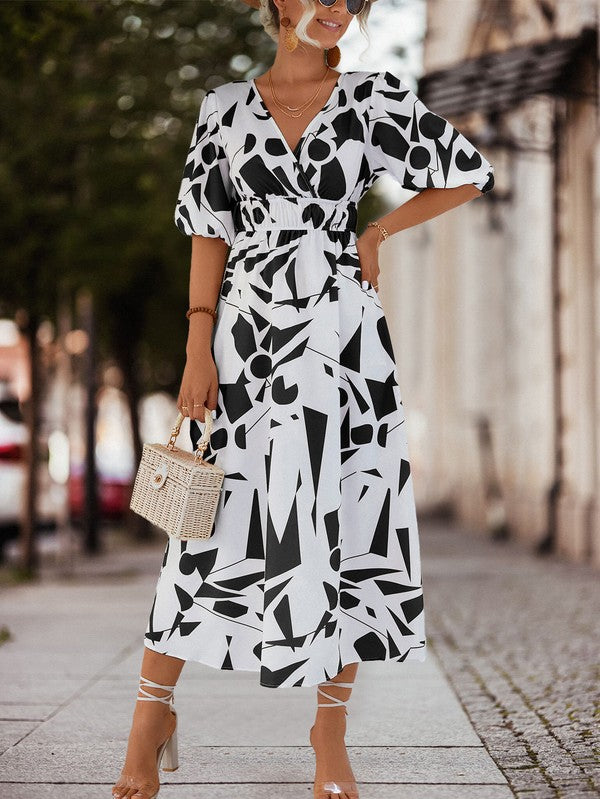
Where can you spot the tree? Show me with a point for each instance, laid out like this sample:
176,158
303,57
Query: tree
97,106
98,99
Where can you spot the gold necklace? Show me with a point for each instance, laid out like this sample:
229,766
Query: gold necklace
300,108
303,106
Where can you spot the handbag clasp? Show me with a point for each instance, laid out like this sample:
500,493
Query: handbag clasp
159,475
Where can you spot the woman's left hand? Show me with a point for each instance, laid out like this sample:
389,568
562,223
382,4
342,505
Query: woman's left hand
367,245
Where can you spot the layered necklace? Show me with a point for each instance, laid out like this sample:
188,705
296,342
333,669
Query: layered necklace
298,110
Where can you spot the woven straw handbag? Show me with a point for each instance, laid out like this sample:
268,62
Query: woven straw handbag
176,490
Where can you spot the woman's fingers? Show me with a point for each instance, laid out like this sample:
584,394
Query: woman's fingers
367,283
198,390
191,406
369,266
211,400
181,405
198,411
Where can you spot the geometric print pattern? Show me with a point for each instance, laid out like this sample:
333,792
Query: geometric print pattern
314,560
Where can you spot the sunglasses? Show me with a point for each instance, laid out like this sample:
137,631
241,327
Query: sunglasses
353,6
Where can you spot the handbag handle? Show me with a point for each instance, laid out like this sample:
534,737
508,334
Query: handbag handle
203,442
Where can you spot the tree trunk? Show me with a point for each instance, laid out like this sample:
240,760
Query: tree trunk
92,543
31,414
140,528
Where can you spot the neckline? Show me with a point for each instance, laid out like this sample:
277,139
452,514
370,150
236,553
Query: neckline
310,124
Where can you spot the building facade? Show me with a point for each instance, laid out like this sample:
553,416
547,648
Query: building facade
494,307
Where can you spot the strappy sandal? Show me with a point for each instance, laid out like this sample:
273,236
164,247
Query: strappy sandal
167,751
335,787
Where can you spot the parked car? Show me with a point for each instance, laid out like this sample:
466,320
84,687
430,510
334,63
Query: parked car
115,466
114,495
13,475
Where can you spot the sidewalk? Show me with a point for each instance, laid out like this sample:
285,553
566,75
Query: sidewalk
69,678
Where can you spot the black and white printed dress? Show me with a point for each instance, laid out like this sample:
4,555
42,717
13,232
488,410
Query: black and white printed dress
314,559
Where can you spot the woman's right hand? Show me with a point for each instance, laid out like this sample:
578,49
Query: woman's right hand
199,385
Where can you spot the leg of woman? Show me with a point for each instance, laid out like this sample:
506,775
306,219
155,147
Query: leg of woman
153,723
327,737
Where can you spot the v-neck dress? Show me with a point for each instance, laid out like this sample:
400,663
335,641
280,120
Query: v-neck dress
314,561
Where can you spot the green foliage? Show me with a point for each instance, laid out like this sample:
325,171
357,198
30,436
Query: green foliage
97,106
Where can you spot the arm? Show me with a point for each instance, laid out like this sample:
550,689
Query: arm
204,212
423,206
423,152
200,381
206,274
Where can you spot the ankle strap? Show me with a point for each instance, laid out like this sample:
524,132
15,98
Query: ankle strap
341,684
336,701
152,697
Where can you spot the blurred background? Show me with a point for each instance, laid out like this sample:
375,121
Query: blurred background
494,308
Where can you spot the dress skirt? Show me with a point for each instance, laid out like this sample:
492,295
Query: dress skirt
314,558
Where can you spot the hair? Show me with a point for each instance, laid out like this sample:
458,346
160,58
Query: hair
269,16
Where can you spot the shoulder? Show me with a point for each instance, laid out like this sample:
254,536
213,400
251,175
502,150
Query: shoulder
361,78
357,87
387,81
374,77
378,84
390,91
220,97
227,91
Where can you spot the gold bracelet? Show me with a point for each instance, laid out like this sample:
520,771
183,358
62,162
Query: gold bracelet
190,311
380,227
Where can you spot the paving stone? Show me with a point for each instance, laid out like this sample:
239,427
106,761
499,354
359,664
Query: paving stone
13,711
11,732
519,639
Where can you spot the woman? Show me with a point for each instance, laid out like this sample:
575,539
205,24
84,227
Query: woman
313,565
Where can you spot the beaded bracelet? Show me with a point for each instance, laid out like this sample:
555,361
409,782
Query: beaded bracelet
190,311
380,227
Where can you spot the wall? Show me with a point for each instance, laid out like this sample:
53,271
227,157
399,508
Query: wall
469,300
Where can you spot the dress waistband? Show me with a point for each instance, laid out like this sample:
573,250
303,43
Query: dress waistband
292,213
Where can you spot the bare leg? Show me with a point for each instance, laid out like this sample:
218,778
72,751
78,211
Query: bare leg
327,737
153,723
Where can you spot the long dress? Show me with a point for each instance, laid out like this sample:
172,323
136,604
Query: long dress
314,559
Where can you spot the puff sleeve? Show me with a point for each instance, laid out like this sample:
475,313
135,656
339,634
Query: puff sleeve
418,148
205,200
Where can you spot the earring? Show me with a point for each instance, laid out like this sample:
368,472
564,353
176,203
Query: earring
290,39
333,56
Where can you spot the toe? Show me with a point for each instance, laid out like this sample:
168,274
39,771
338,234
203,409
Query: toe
118,790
